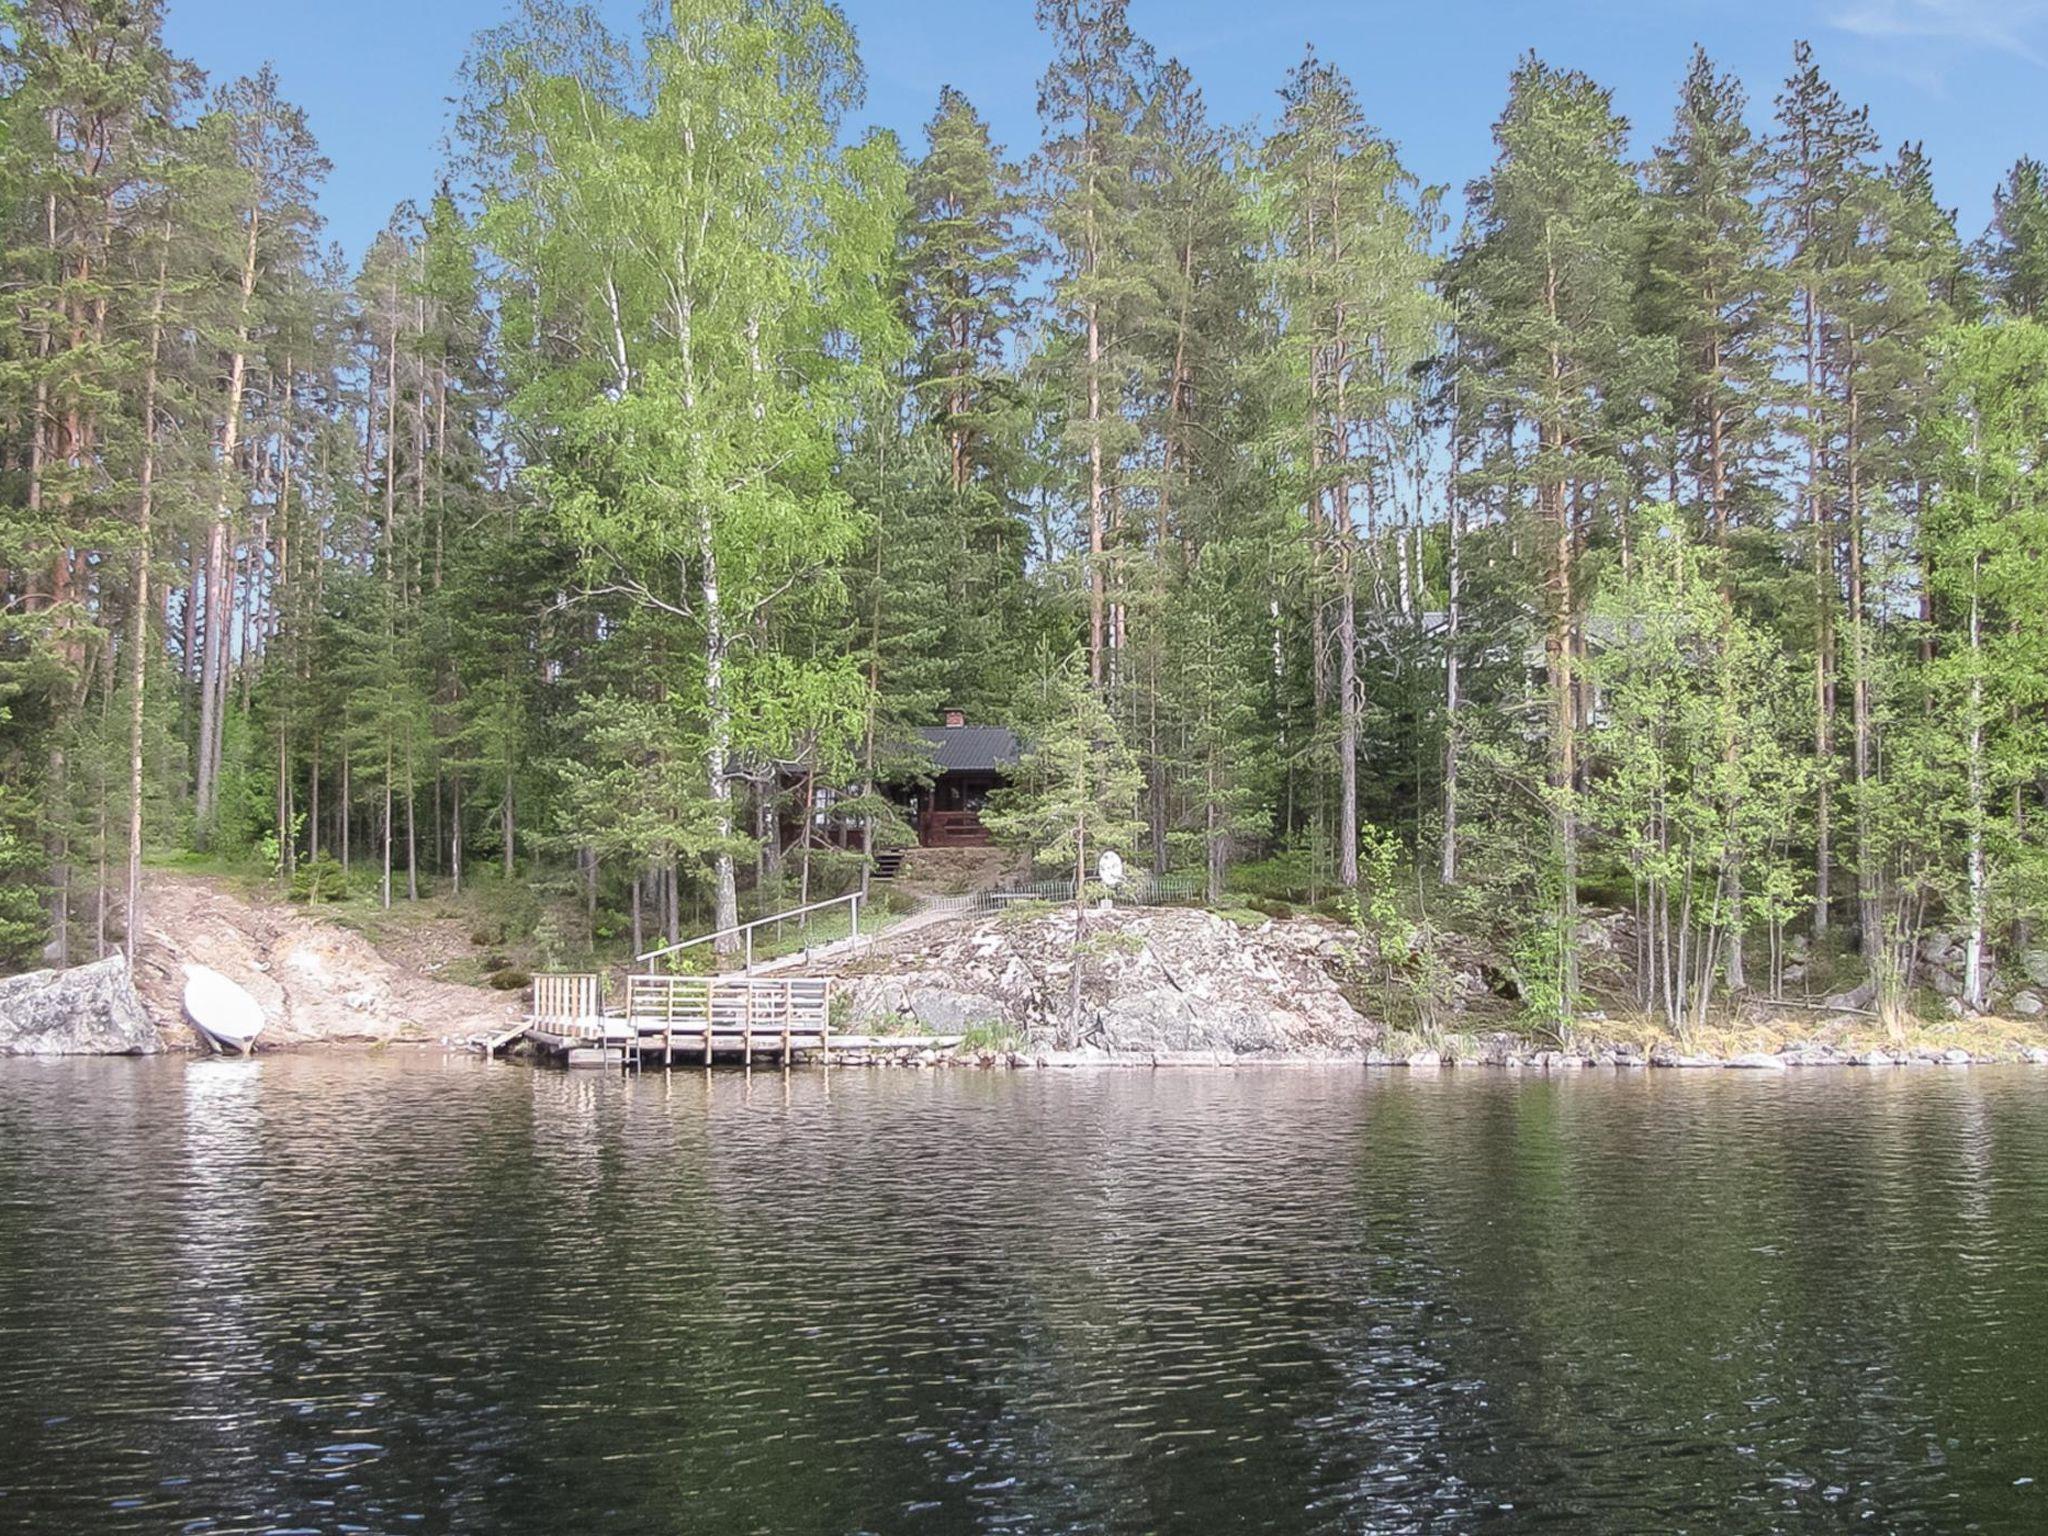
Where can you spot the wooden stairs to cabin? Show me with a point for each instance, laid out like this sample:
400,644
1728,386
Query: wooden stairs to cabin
888,864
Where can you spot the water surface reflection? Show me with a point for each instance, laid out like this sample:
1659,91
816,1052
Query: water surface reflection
385,1294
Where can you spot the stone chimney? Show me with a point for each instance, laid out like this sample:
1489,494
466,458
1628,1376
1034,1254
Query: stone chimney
955,718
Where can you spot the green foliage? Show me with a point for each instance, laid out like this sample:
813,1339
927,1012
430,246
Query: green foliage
1668,535
24,921
1076,793
319,879
1403,955
991,1037
1700,777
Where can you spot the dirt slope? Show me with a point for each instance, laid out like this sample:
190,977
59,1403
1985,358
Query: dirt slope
316,981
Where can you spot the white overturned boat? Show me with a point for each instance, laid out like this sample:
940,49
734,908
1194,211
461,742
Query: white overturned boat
226,1015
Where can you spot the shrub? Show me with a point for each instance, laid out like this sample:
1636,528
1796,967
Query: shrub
320,879
509,980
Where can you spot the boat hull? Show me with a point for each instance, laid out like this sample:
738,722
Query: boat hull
224,1014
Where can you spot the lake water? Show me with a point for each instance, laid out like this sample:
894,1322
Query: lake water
399,1293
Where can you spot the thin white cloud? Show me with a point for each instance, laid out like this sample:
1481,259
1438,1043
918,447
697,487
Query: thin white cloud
2015,27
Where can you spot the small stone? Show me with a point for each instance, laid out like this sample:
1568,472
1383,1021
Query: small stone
1757,1061
1873,1058
1955,1056
1424,1059
2027,1005
2035,1055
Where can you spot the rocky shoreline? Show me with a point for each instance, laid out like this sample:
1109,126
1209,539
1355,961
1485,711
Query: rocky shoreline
1143,988
1502,1057
1163,987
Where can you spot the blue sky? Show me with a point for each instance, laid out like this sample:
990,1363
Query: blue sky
1969,77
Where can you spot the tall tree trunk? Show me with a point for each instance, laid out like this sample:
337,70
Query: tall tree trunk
1824,637
138,634
1869,879
1454,583
1979,894
220,604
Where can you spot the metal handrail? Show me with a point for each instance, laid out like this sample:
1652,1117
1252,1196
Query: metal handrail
851,900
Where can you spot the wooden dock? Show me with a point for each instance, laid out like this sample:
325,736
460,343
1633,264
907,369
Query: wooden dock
762,1012
669,1021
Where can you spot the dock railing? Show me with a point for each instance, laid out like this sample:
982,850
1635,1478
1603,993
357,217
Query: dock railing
730,1014
567,997
745,932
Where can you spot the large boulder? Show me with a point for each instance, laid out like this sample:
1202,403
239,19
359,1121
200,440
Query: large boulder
1153,984
89,1010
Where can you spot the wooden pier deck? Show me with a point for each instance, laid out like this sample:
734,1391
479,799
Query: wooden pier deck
682,1020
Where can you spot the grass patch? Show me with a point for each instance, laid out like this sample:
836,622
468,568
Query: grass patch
1244,917
991,1037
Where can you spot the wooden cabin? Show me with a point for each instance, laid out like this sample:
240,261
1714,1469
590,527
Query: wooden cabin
966,764
969,763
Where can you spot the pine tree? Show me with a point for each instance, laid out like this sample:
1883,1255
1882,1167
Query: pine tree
964,258
1709,288
1076,793
1821,158
1984,530
1710,292
1353,267
1089,100
2016,246
1546,293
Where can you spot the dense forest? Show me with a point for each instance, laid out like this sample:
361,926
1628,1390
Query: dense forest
1657,522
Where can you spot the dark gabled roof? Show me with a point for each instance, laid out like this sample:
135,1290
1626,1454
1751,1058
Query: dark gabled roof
971,748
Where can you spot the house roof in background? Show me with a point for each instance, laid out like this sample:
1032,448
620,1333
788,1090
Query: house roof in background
971,748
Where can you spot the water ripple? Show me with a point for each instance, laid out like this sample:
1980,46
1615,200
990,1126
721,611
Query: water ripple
336,1294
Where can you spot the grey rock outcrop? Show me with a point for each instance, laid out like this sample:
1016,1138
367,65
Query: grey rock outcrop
1154,983
89,1010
